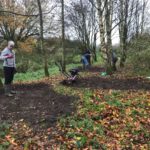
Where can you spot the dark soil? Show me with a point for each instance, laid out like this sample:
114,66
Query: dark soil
114,83
36,104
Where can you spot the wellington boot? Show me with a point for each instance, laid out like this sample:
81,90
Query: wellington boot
7,90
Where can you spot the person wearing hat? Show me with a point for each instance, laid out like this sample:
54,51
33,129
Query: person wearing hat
9,67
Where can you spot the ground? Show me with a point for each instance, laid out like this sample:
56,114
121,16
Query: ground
35,103
40,105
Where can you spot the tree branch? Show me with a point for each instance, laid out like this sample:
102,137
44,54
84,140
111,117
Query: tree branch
25,15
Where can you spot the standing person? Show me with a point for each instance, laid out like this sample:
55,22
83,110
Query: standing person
9,67
84,61
88,56
114,60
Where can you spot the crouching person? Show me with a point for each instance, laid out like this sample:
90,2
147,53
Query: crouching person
9,67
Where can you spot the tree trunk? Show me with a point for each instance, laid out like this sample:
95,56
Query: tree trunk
137,17
144,3
94,32
94,48
123,30
102,29
105,25
86,36
63,39
108,19
42,40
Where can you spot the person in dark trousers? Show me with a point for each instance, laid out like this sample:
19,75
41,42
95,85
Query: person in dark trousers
86,59
9,67
88,56
114,60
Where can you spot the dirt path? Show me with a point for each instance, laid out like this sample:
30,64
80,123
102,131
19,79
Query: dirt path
37,104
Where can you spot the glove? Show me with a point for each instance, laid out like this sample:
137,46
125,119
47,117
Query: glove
10,56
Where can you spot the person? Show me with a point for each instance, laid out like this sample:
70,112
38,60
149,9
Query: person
9,67
86,59
88,56
114,60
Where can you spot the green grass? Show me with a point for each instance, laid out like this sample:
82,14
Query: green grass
95,116
37,75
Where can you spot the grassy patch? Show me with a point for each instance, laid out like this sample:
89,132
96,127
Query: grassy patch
106,120
39,74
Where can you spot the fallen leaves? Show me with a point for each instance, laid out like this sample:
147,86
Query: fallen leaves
123,117
104,119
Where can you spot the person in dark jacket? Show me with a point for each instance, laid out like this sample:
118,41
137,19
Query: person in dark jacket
86,59
114,60
88,56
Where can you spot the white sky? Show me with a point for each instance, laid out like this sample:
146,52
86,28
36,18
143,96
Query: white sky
115,34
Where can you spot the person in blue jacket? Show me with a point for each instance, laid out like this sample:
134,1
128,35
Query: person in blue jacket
86,59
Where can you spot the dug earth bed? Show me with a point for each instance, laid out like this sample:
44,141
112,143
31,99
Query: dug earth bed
36,103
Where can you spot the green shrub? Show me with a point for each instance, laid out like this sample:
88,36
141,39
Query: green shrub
22,67
139,54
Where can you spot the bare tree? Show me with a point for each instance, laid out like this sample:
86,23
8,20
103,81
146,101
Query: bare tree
123,28
14,26
42,39
144,4
83,22
63,36
105,14
131,14
143,15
